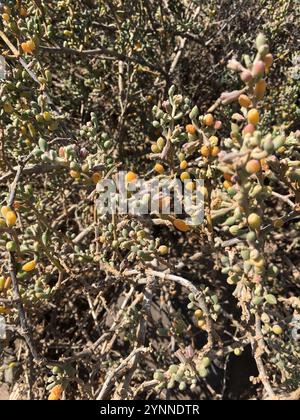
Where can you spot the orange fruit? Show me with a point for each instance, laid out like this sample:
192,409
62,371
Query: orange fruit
184,176
180,225
190,129
268,59
260,89
227,185
215,151
96,177
56,393
74,174
4,210
208,120
159,168
205,151
253,166
5,17
29,266
10,218
130,177
183,165
28,47
244,101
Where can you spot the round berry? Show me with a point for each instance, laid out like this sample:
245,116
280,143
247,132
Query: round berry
163,250
253,166
244,101
184,176
130,177
10,218
208,120
190,129
183,165
254,221
205,151
253,116
159,168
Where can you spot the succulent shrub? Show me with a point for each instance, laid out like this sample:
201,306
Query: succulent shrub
155,305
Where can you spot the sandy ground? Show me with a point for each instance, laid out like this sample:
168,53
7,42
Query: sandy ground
4,394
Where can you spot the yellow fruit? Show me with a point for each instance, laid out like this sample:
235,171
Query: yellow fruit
205,151
4,210
245,101
254,221
260,263
5,17
184,176
190,186
130,177
163,250
56,393
74,174
31,265
215,151
47,116
155,149
28,47
159,168
96,177
201,323
227,185
190,129
253,166
208,120
277,330
181,225
253,116
260,89
238,352
161,143
198,313
268,59
183,165
10,218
